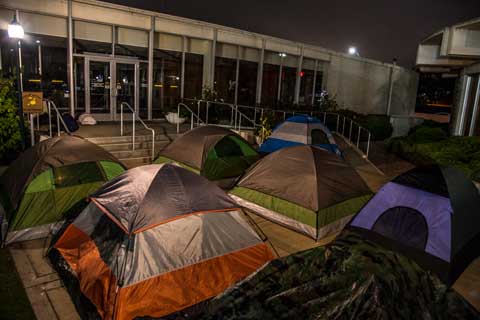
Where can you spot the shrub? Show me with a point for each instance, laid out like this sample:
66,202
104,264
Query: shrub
10,137
427,134
378,125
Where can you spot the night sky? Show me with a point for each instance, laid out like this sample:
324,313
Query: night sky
380,29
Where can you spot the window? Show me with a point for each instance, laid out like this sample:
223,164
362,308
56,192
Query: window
270,84
287,90
247,83
193,76
225,76
167,68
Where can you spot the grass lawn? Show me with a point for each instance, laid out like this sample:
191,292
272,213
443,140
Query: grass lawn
14,303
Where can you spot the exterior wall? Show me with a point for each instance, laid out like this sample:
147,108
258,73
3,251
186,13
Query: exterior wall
359,84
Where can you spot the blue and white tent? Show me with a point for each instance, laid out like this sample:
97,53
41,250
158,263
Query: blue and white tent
300,130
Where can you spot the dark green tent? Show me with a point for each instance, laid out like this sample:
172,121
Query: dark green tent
50,181
214,152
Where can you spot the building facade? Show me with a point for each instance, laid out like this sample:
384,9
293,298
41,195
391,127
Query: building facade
89,56
455,52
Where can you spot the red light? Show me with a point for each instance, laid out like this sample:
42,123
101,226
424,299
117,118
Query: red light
302,73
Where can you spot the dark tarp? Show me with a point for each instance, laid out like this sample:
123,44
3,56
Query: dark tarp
191,148
148,195
349,279
50,153
326,179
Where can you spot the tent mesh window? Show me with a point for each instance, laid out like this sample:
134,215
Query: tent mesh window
405,225
319,137
227,147
79,173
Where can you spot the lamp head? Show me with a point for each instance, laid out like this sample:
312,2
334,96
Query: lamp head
15,29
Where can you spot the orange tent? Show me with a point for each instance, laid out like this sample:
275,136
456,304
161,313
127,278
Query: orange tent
153,241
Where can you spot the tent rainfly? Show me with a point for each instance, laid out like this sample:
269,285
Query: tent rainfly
300,130
49,182
153,241
430,214
305,188
214,152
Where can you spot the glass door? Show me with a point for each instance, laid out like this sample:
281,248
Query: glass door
126,86
98,100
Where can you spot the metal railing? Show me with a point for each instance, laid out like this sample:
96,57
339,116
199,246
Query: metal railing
51,104
134,118
192,115
352,131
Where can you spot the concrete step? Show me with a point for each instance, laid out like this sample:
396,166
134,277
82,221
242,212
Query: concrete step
126,139
136,162
129,154
126,146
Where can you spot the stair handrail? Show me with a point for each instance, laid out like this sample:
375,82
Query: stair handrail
51,104
192,113
134,118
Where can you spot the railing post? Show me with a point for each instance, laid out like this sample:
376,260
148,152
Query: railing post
350,134
261,115
358,137
338,121
58,124
206,115
191,121
284,116
178,117
49,118
133,125
153,144
240,122
368,144
325,118
343,127
121,119
198,112
254,116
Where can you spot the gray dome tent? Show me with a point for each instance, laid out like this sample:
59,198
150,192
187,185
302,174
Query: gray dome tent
305,188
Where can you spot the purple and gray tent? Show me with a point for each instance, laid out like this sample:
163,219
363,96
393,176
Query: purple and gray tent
430,214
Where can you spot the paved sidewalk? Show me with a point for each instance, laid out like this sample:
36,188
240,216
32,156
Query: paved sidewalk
49,299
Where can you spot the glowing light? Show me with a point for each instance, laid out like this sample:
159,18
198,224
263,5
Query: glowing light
353,51
282,54
15,29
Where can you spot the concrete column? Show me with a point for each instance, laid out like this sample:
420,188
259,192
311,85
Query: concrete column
390,90
150,67
476,106
459,128
314,81
182,75
71,82
237,72
298,79
279,88
212,59
260,74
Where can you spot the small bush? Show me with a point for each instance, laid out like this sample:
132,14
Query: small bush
427,134
10,137
378,125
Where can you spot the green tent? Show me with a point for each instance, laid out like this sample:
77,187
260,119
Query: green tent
304,188
49,182
214,152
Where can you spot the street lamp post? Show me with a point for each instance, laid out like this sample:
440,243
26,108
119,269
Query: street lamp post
15,31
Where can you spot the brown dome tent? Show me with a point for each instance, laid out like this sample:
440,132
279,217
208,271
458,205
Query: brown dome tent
153,241
214,152
305,188
48,181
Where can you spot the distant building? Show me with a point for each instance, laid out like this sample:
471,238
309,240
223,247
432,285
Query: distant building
454,52
89,56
